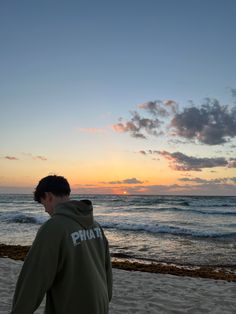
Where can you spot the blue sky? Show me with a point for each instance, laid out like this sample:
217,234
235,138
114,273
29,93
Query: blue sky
69,66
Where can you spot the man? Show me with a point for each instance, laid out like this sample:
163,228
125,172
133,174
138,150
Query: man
69,259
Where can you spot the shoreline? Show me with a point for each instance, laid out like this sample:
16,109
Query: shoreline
18,252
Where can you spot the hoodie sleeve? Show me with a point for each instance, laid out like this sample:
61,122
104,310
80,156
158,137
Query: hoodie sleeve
108,271
38,271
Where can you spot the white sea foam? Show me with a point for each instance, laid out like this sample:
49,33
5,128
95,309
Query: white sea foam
159,229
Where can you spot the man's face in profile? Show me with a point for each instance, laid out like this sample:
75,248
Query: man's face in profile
48,202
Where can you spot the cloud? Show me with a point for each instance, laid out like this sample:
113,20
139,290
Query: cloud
196,180
137,125
233,92
132,181
205,181
40,158
142,152
150,152
173,189
160,108
209,188
11,158
92,130
126,181
182,162
27,155
210,124
232,163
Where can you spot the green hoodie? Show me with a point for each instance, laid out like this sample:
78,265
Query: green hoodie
70,262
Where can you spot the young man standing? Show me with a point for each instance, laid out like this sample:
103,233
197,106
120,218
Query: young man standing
69,260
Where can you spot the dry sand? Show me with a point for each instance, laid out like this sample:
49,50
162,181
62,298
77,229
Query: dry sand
142,293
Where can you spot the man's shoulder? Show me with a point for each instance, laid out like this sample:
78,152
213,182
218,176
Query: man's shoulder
48,223
51,225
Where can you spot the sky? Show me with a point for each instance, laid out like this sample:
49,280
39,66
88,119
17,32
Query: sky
119,97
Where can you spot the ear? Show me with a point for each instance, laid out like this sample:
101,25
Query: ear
48,196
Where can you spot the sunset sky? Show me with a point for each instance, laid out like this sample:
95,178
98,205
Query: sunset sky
127,96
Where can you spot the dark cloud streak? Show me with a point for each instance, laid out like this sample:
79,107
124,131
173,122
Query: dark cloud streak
125,181
11,158
205,181
182,162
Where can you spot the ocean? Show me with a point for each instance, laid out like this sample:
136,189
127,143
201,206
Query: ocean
183,230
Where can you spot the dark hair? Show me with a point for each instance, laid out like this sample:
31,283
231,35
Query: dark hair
57,185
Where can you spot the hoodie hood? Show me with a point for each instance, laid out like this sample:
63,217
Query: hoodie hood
80,211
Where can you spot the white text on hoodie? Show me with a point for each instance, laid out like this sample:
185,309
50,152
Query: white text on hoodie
85,235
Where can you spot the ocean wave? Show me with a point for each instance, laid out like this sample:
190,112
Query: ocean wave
203,212
22,218
165,229
195,202
219,205
215,212
175,209
159,201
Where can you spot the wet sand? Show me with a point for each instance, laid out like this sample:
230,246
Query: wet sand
18,252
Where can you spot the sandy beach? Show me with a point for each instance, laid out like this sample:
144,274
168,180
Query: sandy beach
143,292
